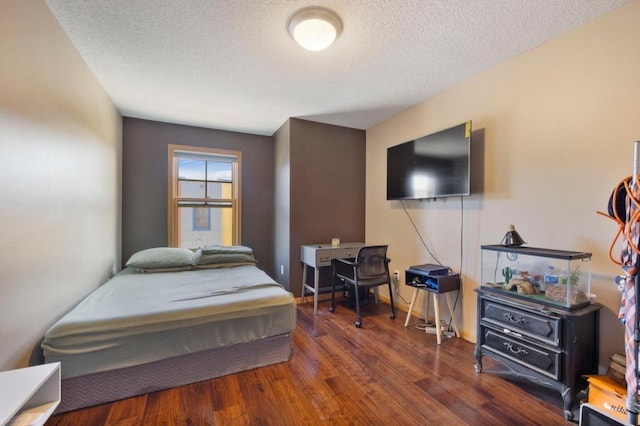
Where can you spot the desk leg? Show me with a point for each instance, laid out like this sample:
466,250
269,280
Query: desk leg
304,282
316,286
453,318
436,307
413,301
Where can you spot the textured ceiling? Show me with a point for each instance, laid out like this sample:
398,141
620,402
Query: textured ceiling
232,65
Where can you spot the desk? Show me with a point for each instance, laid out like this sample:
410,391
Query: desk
318,256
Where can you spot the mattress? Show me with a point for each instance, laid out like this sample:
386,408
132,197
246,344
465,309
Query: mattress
137,318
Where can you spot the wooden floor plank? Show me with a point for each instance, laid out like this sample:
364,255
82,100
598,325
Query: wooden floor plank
382,373
128,411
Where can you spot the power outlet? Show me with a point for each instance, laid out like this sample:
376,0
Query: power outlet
396,275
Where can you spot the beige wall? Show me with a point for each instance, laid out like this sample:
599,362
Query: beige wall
554,128
60,150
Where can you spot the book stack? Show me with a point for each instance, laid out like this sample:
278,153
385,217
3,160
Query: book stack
618,369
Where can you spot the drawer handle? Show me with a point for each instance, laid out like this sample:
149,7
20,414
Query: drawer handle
513,333
514,320
519,351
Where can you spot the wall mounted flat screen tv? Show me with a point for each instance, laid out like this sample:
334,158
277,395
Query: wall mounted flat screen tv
433,166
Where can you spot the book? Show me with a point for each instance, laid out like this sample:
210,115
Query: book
619,359
617,369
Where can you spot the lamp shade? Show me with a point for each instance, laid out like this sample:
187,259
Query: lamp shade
512,238
314,28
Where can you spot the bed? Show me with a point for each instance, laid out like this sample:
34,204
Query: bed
170,318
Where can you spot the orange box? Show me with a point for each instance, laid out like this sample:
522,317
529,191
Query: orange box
608,396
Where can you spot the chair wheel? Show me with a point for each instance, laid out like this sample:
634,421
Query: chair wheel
331,309
393,316
359,324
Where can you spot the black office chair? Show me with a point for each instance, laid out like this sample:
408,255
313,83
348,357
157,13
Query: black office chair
369,269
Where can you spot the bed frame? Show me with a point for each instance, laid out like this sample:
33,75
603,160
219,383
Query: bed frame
98,388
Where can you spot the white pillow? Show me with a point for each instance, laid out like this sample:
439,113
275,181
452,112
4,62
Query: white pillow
162,258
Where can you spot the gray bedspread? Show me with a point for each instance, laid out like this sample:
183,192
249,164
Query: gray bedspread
137,318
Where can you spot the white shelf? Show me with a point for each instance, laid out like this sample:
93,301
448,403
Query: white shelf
28,396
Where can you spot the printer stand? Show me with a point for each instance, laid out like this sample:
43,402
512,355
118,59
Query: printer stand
434,284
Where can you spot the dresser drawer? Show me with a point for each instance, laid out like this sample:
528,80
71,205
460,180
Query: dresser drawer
547,329
544,360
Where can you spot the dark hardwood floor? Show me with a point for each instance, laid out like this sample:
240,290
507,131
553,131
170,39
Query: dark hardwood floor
380,374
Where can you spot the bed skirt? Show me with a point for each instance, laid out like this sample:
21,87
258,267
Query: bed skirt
98,388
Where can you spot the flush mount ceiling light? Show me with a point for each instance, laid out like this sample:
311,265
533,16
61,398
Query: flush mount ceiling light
314,28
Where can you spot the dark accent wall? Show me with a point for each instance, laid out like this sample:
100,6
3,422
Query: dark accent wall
144,177
282,200
326,168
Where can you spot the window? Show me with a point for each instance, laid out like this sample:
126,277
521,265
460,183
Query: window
204,197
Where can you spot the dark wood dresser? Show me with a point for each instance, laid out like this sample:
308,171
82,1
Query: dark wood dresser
551,347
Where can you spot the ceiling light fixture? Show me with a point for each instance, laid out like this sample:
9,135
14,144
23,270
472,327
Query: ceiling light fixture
314,28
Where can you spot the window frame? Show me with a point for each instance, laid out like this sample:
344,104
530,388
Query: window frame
173,230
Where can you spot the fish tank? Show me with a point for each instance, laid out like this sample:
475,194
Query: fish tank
556,278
